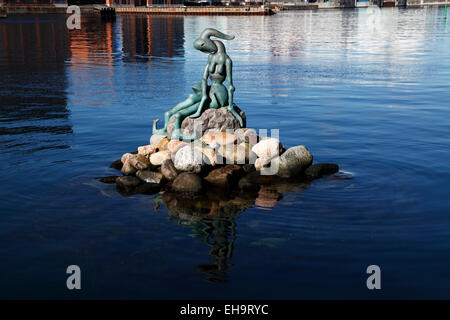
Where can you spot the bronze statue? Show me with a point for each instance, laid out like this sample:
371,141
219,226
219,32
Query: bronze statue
216,95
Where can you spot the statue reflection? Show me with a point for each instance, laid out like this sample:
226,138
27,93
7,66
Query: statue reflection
212,219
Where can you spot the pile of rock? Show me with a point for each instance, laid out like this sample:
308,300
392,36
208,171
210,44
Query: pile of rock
239,161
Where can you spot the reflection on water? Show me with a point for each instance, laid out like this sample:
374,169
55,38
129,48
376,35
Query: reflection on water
212,220
220,236
212,217
33,109
34,55
153,36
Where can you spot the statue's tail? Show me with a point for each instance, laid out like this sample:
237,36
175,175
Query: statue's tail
154,126
210,32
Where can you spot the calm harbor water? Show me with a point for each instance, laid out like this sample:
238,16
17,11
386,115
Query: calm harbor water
369,91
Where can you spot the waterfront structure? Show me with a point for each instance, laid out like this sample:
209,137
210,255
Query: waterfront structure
33,2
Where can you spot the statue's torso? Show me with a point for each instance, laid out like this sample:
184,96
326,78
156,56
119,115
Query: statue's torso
217,66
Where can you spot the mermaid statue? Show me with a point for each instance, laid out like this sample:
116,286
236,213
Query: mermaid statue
215,95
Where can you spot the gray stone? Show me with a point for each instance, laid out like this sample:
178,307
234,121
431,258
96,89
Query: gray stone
128,182
187,183
109,179
248,168
246,135
225,177
321,169
219,119
150,176
292,162
168,170
116,164
255,178
128,169
248,185
190,159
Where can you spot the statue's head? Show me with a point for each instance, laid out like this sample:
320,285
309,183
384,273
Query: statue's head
205,44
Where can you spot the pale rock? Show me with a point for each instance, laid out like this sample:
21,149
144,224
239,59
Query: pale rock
190,159
146,150
208,152
239,154
126,156
128,169
268,148
154,139
246,135
162,144
139,161
261,163
219,138
174,145
158,158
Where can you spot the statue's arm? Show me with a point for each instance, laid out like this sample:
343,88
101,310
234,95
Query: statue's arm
205,82
204,92
229,67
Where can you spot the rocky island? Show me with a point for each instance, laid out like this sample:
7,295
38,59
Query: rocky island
205,160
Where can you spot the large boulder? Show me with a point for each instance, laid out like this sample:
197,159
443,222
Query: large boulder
292,162
211,119
168,170
127,182
191,159
158,158
268,148
187,183
174,145
225,177
321,169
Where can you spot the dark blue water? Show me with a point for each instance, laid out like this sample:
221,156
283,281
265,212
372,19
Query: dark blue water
366,90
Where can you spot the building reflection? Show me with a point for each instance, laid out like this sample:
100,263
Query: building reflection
153,36
94,43
33,85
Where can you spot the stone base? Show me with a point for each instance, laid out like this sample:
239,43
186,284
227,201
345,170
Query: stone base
211,119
